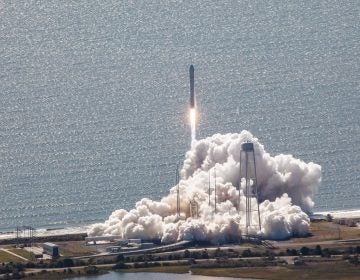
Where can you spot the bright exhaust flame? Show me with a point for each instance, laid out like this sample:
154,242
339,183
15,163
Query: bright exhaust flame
193,125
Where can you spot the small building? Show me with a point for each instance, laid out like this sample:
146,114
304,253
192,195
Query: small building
147,245
317,217
134,241
113,249
103,239
51,249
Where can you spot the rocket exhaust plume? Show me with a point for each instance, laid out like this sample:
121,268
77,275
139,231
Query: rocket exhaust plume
286,187
192,106
193,125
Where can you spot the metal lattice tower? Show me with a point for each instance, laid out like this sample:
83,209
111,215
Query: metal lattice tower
177,191
209,192
215,191
248,171
25,235
194,209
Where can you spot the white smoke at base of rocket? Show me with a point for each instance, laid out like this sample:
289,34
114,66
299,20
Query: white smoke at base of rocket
287,186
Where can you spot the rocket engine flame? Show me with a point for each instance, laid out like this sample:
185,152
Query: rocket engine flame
193,125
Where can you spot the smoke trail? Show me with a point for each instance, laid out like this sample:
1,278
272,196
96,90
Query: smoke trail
287,187
193,125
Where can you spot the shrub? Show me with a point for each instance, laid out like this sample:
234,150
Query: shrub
304,251
16,275
329,218
354,260
298,262
186,254
30,265
120,265
318,250
204,254
357,250
218,253
326,253
246,253
58,264
68,263
91,270
120,258
291,252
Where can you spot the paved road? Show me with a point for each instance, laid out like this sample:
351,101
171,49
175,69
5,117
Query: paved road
154,250
294,244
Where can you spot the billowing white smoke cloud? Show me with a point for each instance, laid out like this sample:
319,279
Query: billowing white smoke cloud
286,186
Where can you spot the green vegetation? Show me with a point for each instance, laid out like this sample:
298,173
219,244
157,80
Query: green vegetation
16,269
165,269
91,270
74,249
331,270
323,230
53,275
5,257
346,222
23,253
65,273
302,259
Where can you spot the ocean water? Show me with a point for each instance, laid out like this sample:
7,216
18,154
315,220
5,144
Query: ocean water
94,95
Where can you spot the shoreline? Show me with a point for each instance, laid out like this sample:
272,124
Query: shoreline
49,238
48,232
332,248
63,231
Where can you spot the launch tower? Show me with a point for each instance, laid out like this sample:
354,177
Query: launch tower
248,172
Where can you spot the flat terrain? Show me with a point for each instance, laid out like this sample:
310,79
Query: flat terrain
272,260
6,257
322,231
74,249
331,270
23,253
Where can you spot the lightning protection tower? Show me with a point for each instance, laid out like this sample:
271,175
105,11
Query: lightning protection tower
248,171
194,209
177,191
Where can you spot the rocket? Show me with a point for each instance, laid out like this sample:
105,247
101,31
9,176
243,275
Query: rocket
192,94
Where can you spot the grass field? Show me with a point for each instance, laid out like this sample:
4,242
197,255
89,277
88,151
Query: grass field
25,254
329,271
322,231
163,269
74,248
64,274
6,257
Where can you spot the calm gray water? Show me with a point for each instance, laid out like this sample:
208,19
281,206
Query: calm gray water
153,276
93,97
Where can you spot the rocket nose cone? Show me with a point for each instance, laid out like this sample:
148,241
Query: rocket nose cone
191,68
